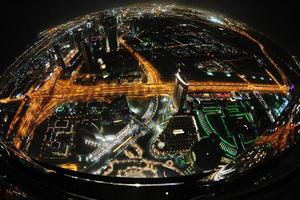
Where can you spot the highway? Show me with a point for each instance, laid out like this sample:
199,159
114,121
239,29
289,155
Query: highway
154,76
55,91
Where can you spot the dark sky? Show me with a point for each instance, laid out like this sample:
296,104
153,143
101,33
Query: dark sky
21,20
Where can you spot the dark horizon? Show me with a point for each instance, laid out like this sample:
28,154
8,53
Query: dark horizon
24,20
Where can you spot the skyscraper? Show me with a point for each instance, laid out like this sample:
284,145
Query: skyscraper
180,91
133,25
59,59
111,33
86,54
90,65
91,28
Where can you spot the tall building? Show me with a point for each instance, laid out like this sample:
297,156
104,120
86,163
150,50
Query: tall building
120,19
59,58
90,65
77,38
180,91
133,25
86,54
111,33
297,60
96,47
91,28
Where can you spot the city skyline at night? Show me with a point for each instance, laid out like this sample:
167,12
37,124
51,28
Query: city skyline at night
150,95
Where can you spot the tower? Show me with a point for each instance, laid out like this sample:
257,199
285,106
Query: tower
111,33
91,27
83,46
86,54
59,58
133,27
180,91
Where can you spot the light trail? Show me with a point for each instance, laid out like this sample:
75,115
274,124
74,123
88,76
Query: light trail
55,91
122,144
151,71
11,100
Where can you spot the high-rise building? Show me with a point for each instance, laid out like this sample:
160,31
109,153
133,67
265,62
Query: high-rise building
180,91
120,19
59,58
96,47
86,54
91,27
111,33
90,65
77,38
133,25
297,60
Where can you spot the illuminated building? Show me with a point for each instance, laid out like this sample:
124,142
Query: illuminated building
113,122
111,33
179,135
87,57
180,91
59,58
133,26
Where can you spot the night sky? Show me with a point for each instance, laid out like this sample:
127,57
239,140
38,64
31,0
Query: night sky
22,20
